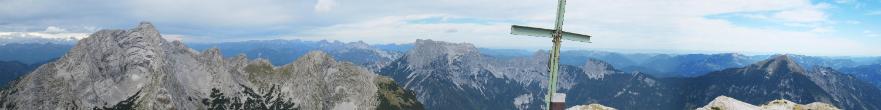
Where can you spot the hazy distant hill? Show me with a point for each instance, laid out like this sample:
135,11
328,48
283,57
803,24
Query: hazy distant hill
10,70
375,57
24,38
868,73
31,53
782,77
691,65
281,51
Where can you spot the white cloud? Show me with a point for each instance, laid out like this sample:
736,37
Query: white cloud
822,30
615,24
40,37
396,29
54,34
844,1
870,33
216,13
181,13
804,14
670,25
53,29
852,22
722,35
874,13
325,5
755,16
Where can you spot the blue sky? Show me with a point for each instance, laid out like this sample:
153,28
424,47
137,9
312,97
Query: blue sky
833,28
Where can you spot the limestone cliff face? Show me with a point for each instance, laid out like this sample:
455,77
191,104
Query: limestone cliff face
137,68
105,68
317,81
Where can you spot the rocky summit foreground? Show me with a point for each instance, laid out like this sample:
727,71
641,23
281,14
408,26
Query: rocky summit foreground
138,69
727,103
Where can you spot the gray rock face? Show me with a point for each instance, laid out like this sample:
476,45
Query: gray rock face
596,69
317,81
105,68
456,76
138,69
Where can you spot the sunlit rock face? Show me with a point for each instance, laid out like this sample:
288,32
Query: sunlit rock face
138,69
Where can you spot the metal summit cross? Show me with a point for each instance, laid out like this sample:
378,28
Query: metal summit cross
557,34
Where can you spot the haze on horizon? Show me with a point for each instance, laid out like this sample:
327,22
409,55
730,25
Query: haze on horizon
810,27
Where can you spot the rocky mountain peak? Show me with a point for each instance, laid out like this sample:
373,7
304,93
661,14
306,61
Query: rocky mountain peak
360,44
137,69
777,64
146,25
733,57
315,57
596,69
733,54
429,44
212,54
143,32
425,51
147,32
106,67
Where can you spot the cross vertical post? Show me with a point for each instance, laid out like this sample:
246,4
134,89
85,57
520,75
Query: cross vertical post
557,34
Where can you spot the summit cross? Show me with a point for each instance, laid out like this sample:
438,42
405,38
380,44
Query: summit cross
557,34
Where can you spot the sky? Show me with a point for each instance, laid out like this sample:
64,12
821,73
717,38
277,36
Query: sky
810,27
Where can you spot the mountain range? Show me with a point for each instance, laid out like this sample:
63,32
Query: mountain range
781,77
456,76
138,69
281,51
870,73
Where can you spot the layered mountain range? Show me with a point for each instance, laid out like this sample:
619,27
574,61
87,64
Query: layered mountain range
782,77
374,57
138,69
456,76
282,51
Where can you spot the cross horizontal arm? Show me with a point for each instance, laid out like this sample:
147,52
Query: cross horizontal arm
540,32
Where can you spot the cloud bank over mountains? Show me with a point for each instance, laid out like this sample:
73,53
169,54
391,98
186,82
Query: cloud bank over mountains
749,26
